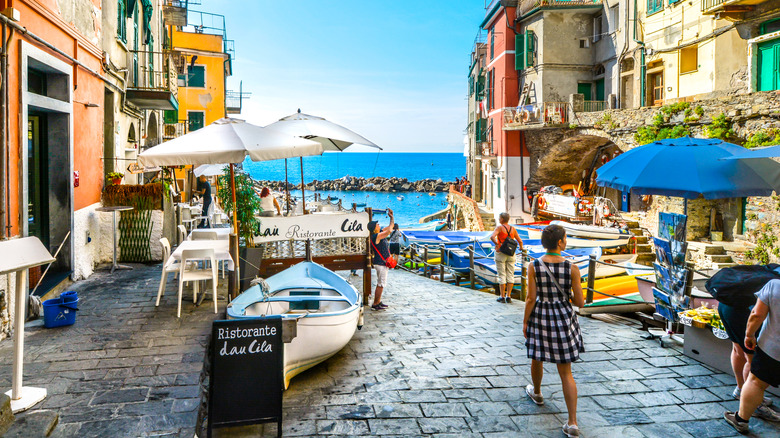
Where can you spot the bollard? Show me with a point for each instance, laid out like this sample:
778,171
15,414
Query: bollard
441,263
425,260
471,267
523,274
591,278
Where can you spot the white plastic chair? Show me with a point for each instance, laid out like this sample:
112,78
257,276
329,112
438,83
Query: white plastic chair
192,272
204,234
186,218
182,233
167,268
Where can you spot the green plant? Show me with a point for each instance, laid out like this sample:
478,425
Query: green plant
764,137
699,111
573,126
720,128
114,175
765,238
669,110
247,200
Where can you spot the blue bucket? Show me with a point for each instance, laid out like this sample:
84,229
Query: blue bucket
61,311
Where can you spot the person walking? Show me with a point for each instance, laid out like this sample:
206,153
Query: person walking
505,264
268,203
381,250
203,188
550,326
765,366
735,320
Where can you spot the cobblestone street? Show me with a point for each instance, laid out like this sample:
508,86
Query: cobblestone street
442,361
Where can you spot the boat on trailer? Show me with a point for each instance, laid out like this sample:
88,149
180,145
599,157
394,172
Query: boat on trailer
326,307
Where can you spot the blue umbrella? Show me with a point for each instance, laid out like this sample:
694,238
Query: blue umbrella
767,152
688,168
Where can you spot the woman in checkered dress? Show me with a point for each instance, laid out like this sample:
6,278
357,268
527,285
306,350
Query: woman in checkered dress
550,325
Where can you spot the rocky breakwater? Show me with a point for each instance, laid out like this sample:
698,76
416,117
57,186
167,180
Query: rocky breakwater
375,184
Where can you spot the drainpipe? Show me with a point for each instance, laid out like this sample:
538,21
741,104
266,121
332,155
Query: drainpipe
3,126
642,66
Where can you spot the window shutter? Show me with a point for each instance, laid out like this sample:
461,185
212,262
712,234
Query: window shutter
481,85
171,116
530,48
519,51
487,88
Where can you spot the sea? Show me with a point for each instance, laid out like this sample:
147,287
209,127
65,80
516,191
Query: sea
408,207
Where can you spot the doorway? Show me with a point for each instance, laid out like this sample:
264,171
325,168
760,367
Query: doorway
586,89
37,178
656,81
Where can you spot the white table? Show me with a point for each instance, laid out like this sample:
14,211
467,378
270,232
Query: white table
113,210
222,233
221,250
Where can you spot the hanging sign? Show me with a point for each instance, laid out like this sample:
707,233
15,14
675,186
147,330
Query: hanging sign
312,226
246,380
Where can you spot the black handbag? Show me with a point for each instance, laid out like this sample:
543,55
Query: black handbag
509,245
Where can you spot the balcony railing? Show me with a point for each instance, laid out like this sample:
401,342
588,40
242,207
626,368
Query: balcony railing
591,106
150,88
485,150
728,6
527,6
547,113
174,130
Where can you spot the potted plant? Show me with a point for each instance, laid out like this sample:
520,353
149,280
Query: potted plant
248,207
115,177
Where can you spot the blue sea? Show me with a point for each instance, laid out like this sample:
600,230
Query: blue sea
334,165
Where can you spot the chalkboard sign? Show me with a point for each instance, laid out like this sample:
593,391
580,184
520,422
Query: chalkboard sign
246,383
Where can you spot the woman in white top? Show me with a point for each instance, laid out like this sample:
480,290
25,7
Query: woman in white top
268,202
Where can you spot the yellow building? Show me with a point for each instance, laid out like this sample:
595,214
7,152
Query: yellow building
689,53
202,56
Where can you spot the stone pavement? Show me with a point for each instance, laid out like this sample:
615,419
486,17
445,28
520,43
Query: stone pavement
442,361
126,368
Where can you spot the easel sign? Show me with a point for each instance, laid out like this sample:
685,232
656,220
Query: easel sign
246,381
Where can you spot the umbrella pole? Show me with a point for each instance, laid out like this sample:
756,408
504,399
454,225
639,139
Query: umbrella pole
286,187
303,184
233,194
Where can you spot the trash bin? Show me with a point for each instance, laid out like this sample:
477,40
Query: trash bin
59,312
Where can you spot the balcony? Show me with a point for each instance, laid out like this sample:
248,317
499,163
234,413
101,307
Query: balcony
148,88
174,130
729,9
529,116
175,11
527,6
234,100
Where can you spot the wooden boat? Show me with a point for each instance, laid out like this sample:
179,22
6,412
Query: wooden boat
625,296
326,307
434,225
448,238
618,264
591,231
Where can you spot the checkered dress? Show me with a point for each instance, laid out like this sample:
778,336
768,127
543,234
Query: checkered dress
553,330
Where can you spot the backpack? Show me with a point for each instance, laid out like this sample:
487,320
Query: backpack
736,286
509,245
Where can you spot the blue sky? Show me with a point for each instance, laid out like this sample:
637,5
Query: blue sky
394,72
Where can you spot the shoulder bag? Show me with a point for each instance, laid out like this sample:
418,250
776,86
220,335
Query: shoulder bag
390,261
509,245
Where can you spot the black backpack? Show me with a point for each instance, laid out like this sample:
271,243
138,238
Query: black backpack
736,286
509,245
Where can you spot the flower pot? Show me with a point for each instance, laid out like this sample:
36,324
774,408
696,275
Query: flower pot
116,181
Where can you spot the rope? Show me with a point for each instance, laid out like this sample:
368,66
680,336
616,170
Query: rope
373,172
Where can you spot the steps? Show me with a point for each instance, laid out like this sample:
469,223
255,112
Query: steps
710,255
488,220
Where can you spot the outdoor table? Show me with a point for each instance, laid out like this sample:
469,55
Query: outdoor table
221,250
222,233
114,209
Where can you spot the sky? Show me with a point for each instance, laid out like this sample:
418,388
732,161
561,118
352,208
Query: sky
395,72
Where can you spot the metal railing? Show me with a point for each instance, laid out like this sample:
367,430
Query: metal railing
591,106
712,4
142,77
526,6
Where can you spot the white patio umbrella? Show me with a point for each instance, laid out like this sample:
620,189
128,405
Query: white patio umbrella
332,136
228,141
209,169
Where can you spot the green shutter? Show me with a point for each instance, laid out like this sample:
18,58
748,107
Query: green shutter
530,48
519,51
487,90
171,116
196,76
471,85
121,23
481,85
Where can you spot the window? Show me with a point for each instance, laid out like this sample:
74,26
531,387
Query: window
170,116
525,50
770,26
492,42
614,18
597,28
689,59
196,76
654,6
584,43
195,120
121,21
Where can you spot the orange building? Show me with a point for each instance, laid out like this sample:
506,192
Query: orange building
53,87
504,158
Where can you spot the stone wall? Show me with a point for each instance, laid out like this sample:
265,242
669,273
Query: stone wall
748,114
